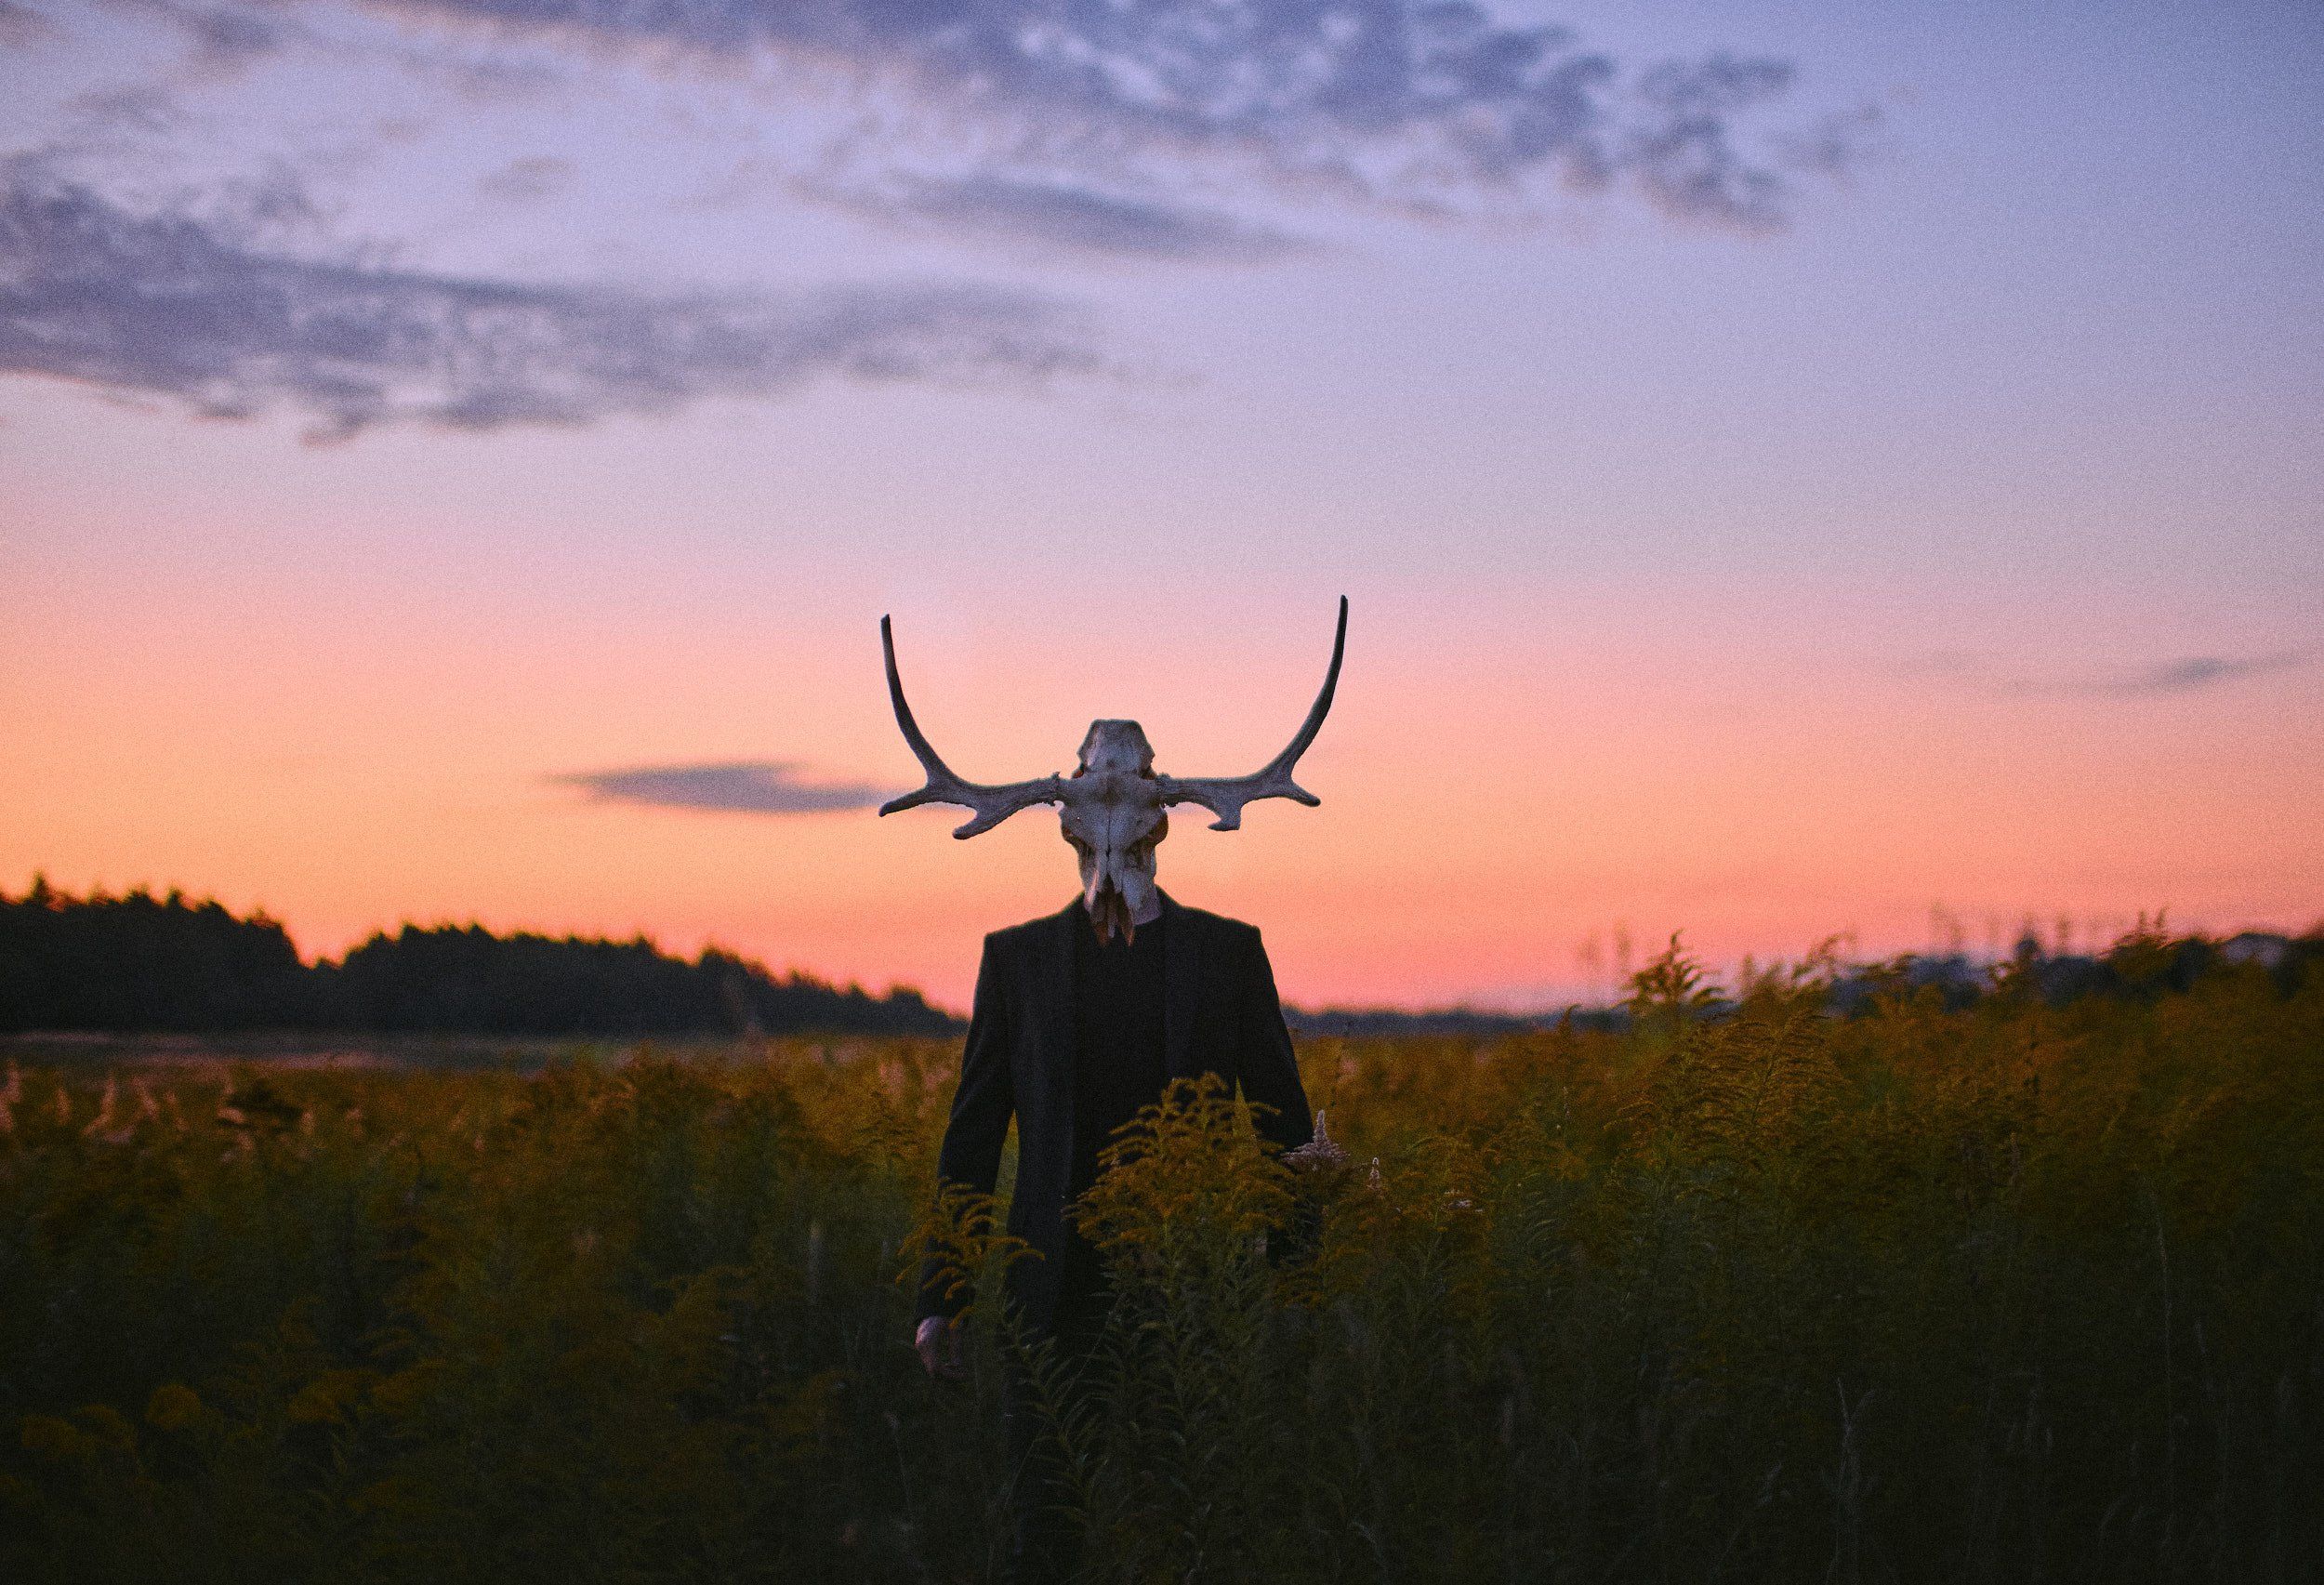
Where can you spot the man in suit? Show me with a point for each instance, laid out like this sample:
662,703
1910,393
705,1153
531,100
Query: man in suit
1084,1017
1071,1034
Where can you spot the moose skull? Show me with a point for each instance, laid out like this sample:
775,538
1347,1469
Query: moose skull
1113,807
1115,825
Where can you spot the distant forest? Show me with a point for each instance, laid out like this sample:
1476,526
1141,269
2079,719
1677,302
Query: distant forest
140,963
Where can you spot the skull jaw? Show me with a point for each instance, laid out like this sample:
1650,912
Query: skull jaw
1118,891
1114,819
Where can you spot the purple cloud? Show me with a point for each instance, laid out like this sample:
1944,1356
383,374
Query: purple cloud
198,312
747,786
1422,103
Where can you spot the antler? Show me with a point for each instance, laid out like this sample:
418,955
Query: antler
993,804
1224,795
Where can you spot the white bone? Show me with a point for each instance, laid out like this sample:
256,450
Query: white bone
1114,818
1224,795
993,803
1113,806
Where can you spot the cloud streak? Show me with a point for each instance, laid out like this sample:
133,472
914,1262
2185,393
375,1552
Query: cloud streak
1404,101
747,787
22,27
2191,674
1054,217
529,180
200,313
2188,675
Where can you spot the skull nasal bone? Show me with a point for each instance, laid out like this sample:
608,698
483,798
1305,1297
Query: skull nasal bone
1116,748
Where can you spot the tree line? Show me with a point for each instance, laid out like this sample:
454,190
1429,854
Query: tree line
142,962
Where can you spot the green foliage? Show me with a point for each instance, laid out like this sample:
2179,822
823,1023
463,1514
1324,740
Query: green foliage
2009,1292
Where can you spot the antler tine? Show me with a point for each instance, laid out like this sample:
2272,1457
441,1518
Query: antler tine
939,774
1224,795
992,804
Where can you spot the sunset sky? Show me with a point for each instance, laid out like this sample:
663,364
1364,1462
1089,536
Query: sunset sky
1796,468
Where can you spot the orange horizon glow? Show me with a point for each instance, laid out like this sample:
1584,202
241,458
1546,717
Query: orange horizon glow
1494,818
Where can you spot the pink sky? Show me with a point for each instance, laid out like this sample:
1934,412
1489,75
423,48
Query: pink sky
1948,549
354,737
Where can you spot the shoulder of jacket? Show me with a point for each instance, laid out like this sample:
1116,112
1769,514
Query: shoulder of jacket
1218,927
1014,938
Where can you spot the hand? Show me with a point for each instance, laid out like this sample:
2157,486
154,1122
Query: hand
939,1344
1321,1151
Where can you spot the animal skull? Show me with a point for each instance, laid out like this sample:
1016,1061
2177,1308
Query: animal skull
1113,807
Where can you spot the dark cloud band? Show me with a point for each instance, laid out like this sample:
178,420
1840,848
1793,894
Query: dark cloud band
1058,216
2192,674
194,312
22,27
1403,100
750,786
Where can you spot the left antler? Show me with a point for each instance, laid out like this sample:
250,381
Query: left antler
993,803
1224,795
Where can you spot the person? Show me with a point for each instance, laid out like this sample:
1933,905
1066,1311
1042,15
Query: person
1072,1034
1081,1019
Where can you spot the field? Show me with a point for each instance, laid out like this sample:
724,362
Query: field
2013,1291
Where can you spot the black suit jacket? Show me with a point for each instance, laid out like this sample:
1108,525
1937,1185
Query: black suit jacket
1219,1015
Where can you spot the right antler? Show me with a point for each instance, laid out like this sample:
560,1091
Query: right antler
1224,795
993,804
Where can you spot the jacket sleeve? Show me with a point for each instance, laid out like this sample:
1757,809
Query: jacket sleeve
982,1107
1270,1072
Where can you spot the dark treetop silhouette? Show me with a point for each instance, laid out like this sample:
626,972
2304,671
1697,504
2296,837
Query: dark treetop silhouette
144,963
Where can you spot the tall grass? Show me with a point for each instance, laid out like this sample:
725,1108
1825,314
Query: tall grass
2013,1292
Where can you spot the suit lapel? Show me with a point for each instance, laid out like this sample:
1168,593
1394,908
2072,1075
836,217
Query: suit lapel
1182,986
1057,979
1059,1040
